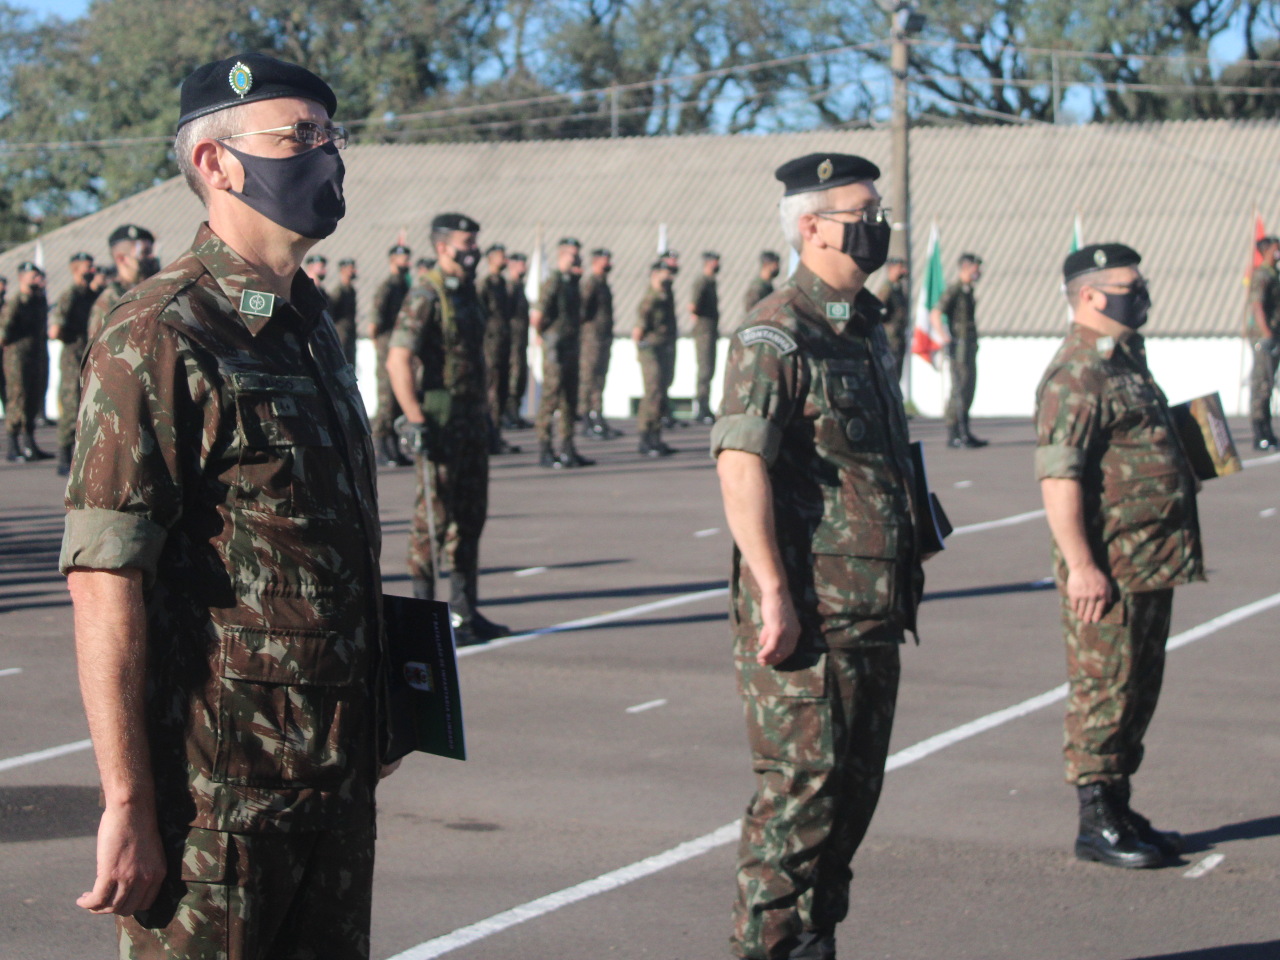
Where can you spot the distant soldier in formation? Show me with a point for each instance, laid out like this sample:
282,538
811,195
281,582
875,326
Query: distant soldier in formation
895,294
4,292
1120,498
558,321
959,308
518,362
387,301
1263,333
22,332
421,267
762,285
654,330
495,301
317,268
667,354
441,328
133,256
342,308
69,325
812,452
704,309
597,345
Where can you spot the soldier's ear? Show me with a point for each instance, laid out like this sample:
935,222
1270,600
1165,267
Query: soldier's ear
217,168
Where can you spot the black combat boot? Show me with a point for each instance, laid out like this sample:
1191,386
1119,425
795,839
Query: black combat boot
704,415
650,444
1263,438
814,945
609,432
1106,834
30,452
461,614
1168,842
593,426
953,436
547,455
64,459
15,451
970,441
570,459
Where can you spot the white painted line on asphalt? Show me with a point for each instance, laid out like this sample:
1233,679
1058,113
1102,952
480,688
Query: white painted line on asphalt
49,754
963,484
729,832
1262,461
709,532
1269,512
1204,866
647,705
530,571
10,671
994,524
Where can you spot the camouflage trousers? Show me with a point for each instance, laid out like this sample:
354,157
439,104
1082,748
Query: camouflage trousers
667,359
23,402
897,347
649,415
1262,380
964,380
819,738
69,391
704,346
1114,672
592,372
497,371
518,369
559,389
258,896
459,501
388,407
346,329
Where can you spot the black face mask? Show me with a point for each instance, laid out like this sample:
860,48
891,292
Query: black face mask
868,244
1129,309
468,260
302,193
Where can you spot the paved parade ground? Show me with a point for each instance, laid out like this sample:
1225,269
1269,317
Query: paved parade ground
608,755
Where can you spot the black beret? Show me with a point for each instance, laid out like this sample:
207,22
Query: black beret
495,248
81,257
520,257
661,264
569,242
455,221
769,256
601,252
1267,241
1098,256
710,255
128,231
346,262
669,255
316,258
822,171
970,258
248,77
26,266
425,263
398,249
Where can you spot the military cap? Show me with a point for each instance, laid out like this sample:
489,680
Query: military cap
346,262
81,257
425,263
669,255
569,242
661,264
495,248
455,221
969,258
822,171
523,258
398,249
316,258
1098,256
246,78
1264,242
129,231
599,252
710,255
26,266
769,256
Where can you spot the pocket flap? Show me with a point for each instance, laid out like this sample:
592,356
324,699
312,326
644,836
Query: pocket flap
296,657
857,538
204,856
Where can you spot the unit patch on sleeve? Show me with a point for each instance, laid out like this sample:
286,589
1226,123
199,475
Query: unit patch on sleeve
780,340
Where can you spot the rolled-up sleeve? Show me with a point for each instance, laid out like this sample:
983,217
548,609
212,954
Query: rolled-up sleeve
1066,426
757,402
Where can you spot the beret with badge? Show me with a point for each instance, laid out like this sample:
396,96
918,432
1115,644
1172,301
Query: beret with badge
346,262
569,242
599,252
81,257
129,231
455,221
1098,256
495,248
822,171
519,257
247,78
398,249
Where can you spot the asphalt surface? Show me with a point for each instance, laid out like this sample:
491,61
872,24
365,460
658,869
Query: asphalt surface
597,747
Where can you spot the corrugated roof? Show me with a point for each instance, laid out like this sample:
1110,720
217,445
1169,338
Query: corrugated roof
1182,193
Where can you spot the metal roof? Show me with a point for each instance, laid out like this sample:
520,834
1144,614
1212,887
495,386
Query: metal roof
1183,193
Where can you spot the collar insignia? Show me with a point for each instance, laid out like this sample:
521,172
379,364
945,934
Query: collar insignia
241,79
837,311
255,303
1105,346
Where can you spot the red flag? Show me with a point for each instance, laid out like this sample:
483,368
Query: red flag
1259,231
925,347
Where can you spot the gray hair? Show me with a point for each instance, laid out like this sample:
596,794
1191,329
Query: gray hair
222,123
792,208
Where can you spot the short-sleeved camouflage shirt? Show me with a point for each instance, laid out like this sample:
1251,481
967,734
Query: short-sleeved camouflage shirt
706,298
811,387
72,313
561,306
107,299
224,452
387,301
25,317
757,290
1264,288
597,307
960,307
448,343
1101,420
656,319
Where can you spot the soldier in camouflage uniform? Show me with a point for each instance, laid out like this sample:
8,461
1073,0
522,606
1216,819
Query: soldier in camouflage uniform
1120,498
762,285
495,302
959,308
441,330
132,253
558,321
342,308
69,325
22,333
654,330
597,345
317,268
1263,334
814,463
518,364
4,294
667,352
387,300
221,547
895,294
704,309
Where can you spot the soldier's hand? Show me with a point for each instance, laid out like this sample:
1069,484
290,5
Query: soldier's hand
1089,592
415,438
131,866
780,631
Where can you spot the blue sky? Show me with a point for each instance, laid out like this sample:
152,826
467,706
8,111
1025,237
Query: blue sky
67,9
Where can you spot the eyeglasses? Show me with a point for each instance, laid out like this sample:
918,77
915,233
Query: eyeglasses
868,214
306,132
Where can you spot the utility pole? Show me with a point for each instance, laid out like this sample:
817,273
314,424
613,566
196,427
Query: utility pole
906,22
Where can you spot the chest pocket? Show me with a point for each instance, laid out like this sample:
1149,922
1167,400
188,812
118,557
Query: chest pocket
856,417
1138,419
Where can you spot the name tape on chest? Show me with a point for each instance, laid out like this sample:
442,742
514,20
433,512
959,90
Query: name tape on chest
780,340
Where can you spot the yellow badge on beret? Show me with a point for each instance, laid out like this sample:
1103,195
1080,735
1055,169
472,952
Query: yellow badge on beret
1100,258
825,169
241,79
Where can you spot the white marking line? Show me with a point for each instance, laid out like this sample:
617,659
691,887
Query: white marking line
647,705
709,532
10,671
1204,866
49,754
994,524
963,484
1262,461
530,571
729,832
1269,512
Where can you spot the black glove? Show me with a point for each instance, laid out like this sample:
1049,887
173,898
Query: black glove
417,439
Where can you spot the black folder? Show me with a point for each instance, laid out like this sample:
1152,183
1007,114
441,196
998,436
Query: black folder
424,704
932,519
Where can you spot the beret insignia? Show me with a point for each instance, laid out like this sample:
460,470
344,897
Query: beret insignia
825,169
241,79
1100,257
780,340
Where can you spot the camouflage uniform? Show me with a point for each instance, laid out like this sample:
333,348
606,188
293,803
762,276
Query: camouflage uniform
597,343
72,317
809,387
706,328
1101,420
959,307
757,290
342,309
666,354
226,455
442,325
897,316
1264,288
23,334
109,296
519,363
387,301
495,302
561,307
657,331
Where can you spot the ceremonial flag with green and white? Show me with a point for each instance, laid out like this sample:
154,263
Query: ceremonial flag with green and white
931,289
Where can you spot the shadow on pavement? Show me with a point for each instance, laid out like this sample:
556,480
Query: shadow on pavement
1033,587
1236,951
48,813
660,589
1244,830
